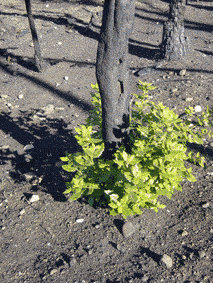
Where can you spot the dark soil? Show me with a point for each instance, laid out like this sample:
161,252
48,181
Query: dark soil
51,239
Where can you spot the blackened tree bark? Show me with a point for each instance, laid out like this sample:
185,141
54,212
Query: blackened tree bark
112,72
39,62
174,45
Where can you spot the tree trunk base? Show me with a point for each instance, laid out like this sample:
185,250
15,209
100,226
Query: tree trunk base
174,44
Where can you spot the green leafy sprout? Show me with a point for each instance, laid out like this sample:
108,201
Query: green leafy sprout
155,166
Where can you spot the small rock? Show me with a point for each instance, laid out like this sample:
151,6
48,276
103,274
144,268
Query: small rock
59,108
53,271
69,30
174,90
206,205
22,212
37,181
79,220
28,147
66,78
167,260
35,117
191,255
4,147
121,247
4,96
198,108
211,230
48,109
189,99
59,43
158,65
128,229
182,72
171,73
145,278
9,105
73,261
34,198
31,44
184,233
28,176
20,96
201,254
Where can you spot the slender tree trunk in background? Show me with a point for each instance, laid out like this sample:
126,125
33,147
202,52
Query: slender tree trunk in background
112,71
39,62
174,45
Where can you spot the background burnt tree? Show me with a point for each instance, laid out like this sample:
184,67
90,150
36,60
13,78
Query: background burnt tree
112,72
174,45
39,62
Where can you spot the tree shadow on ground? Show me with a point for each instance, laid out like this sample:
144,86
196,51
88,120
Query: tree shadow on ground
38,156
205,52
67,96
28,62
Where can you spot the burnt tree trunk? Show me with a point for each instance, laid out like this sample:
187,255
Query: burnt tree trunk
174,45
112,72
39,62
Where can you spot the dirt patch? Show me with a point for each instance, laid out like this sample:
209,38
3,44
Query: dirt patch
45,238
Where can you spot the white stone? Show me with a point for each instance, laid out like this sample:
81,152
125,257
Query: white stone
5,147
28,176
167,260
206,205
80,220
182,72
198,108
22,212
66,78
201,254
4,96
59,108
28,147
48,109
189,99
34,198
184,233
9,105
128,229
53,271
20,96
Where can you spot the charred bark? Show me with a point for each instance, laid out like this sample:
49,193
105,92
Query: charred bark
174,44
112,72
39,62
